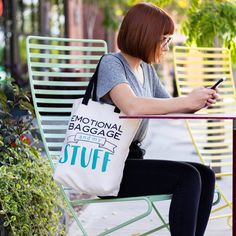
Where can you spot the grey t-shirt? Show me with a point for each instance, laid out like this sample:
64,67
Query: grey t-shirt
112,72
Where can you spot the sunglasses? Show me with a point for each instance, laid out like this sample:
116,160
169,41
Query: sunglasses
166,41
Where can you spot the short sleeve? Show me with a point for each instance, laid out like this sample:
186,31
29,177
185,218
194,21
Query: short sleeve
111,73
159,91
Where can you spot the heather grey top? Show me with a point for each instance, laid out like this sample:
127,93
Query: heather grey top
112,72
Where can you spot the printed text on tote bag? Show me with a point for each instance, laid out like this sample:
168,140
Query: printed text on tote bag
90,131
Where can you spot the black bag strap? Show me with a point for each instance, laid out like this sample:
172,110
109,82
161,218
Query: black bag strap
92,86
91,91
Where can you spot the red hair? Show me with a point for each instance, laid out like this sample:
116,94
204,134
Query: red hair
142,31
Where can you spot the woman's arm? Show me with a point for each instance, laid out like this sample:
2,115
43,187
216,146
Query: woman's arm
125,99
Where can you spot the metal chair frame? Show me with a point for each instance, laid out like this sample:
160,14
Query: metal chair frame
59,71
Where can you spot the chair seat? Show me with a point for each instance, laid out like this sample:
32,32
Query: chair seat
162,197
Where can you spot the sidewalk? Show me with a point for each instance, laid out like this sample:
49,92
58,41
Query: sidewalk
167,139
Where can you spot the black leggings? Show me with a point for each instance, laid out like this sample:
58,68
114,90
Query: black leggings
191,184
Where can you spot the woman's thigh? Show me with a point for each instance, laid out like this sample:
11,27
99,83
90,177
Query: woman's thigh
150,177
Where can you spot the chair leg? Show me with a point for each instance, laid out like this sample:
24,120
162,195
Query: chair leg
153,230
227,204
150,205
229,221
164,223
160,216
109,231
73,212
224,197
139,217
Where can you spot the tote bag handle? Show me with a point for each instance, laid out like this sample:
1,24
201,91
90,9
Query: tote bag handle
92,86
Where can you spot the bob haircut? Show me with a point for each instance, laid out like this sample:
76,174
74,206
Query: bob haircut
142,30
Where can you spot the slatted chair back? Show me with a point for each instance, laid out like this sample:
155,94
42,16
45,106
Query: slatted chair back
59,71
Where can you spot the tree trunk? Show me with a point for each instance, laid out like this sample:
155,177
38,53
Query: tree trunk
44,18
14,46
66,30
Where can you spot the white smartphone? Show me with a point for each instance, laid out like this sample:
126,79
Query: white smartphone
217,84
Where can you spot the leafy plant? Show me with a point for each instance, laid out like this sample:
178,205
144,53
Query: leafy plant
29,197
211,22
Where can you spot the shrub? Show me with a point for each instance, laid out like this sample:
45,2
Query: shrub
29,198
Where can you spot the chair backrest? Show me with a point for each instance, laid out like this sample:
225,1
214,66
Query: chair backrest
59,72
203,67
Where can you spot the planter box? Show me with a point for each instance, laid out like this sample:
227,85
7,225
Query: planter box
3,230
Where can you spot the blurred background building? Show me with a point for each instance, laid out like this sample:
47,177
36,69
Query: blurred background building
99,19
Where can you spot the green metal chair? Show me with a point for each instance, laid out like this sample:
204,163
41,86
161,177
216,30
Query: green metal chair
59,71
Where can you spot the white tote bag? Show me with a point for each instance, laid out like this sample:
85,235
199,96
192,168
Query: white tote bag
96,146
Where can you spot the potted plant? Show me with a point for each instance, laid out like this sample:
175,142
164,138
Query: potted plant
29,198
211,23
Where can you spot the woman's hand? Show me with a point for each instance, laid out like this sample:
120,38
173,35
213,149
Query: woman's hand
201,97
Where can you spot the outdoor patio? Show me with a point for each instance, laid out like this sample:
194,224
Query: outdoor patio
45,75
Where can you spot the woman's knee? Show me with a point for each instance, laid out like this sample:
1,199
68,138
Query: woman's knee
192,177
207,174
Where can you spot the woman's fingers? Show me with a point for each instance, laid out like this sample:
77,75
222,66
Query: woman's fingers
211,101
213,94
203,97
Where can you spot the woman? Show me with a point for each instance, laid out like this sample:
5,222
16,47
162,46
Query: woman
128,80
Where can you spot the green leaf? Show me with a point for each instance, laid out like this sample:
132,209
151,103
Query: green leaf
3,101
